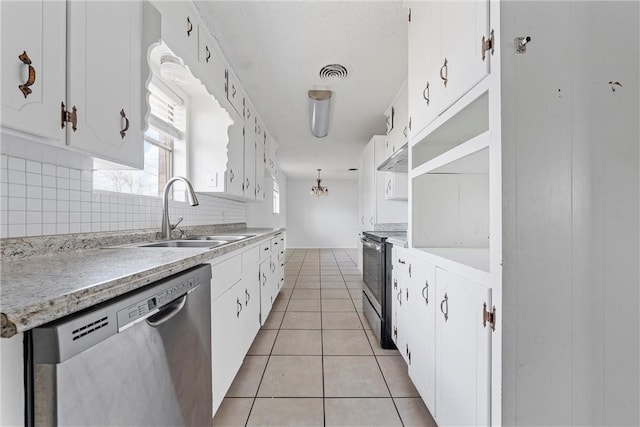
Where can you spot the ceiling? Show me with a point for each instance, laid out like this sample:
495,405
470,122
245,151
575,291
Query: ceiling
277,49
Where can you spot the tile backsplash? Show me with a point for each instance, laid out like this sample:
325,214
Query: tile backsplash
38,198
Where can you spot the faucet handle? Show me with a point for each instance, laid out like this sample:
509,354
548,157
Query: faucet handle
173,226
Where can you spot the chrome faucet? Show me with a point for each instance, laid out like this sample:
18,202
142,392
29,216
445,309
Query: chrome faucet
165,231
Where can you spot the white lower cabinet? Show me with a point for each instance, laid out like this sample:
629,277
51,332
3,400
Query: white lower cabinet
437,321
463,352
237,304
420,306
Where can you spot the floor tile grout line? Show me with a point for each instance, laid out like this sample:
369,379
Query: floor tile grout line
255,397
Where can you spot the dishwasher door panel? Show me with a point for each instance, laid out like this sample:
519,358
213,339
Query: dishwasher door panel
142,376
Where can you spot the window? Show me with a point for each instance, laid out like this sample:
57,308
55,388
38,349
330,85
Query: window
276,197
164,143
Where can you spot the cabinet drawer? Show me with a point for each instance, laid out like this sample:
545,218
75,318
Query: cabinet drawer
225,274
265,249
401,262
276,244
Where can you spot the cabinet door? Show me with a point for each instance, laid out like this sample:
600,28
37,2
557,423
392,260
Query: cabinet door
250,316
249,184
180,24
235,159
34,31
225,342
235,94
260,161
369,187
104,79
424,58
463,347
463,24
422,339
212,64
396,186
266,294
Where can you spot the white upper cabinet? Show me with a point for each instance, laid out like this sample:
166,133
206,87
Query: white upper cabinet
463,24
234,174
104,80
260,159
180,22
33,67
445,55
235,93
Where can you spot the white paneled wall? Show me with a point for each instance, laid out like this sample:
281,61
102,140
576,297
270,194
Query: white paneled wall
38,198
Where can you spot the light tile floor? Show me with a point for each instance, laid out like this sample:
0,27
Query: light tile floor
316,361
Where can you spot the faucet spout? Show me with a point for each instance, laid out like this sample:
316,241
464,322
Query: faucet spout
165,231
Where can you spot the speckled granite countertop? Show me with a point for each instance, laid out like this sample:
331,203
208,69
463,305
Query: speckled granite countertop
38,289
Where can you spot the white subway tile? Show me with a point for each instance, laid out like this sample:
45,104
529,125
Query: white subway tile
75,218
75,228
74,184
17,177
62,183
85,217
34,217
17,204
62,206
16,217
34,179
49,170
34,192
34,167
49,205
16,230
62,217
49,217
74,195
85,227
62,172
34,205
4,230
74,174
75,206
85,196
62,194
17,190
49,193
34,230
62,228
86,186
96,217
85,207
4,162
86,176
16,164
48,229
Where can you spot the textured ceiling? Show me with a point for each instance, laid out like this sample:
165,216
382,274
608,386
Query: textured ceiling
277,49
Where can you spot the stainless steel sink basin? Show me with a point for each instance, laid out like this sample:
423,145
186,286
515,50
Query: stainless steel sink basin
228,238
185,244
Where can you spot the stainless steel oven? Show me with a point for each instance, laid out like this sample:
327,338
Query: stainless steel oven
377,293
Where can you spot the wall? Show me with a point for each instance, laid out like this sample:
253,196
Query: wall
42,198
261,214
322,222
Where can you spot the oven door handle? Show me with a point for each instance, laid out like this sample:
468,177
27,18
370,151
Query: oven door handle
371,245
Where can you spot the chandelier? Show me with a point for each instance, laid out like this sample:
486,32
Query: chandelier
318,190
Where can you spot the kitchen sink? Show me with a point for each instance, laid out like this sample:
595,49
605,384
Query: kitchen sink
185,244
228,238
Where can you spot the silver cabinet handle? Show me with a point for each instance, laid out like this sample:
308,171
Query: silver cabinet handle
239,304
247,297
425,292
426,94
231,175
444,72
444,307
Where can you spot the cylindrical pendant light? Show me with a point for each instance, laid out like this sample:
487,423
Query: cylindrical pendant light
319,110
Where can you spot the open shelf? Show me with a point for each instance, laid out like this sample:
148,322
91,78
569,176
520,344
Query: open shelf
470,157
463,127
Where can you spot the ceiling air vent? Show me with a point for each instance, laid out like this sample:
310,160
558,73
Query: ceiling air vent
333,72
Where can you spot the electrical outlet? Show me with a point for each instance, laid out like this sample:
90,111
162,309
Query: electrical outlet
212,180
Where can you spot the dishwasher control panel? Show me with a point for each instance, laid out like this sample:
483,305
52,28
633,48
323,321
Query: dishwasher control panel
148,305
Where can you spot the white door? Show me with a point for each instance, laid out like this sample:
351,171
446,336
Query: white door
235,158
266,295
104,79
422,339
33,67
250,316
225,342
235,94
260,161
424,57
463,346
463,24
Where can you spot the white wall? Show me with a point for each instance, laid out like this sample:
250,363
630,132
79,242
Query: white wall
260,214
322,222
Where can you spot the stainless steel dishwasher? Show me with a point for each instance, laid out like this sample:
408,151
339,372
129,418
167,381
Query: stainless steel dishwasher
142,359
